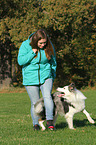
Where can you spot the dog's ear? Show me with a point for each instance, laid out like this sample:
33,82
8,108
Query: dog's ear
72,84
71,87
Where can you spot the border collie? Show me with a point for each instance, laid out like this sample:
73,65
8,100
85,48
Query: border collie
67,101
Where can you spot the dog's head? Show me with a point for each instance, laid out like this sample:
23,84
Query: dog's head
66,90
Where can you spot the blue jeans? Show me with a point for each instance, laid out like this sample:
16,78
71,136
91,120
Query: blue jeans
34,94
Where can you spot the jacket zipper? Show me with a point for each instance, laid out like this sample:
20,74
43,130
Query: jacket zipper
39,67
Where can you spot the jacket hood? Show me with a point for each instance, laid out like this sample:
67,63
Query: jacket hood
30,35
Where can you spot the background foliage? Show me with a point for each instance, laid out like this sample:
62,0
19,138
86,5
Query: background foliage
71,27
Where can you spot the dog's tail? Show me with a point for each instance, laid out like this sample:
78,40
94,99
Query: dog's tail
39,107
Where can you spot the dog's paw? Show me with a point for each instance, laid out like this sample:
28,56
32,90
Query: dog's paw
43,129
72,128
92,121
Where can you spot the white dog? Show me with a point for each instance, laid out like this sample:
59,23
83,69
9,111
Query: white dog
67,101
77,99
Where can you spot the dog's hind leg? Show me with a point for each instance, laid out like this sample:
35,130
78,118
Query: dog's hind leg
55,118
88,116
41,124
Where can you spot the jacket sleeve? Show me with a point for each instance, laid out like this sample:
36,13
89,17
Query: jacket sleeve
25,54
53,64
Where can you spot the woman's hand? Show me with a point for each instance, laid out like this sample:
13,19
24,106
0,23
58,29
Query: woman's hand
35,50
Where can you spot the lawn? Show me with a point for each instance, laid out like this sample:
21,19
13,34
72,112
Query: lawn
16,124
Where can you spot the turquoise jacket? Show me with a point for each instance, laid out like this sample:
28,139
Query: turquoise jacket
35,70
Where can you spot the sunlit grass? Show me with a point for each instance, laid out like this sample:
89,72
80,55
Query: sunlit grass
16,125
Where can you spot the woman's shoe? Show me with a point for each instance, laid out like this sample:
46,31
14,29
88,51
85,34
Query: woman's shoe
36,127
50,125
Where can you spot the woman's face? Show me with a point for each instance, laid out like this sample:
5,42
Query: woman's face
42,43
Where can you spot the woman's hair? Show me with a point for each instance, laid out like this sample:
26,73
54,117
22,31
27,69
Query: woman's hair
41,34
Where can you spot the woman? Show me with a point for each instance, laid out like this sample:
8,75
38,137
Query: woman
37,55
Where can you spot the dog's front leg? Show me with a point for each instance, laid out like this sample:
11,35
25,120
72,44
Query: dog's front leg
69,120
41,124
88,116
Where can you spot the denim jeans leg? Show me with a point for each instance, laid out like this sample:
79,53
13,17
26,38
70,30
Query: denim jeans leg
34,94
46,90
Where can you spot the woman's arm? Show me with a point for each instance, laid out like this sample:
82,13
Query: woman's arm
26,54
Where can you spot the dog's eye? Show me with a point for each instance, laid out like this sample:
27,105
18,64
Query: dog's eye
63,88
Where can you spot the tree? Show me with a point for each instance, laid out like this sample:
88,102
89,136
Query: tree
71,27
5,58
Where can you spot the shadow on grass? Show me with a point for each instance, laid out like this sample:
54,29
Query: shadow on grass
76,123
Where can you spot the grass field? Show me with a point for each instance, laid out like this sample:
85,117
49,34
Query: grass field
16,124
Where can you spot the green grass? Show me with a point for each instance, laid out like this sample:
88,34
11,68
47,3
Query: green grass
16,124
